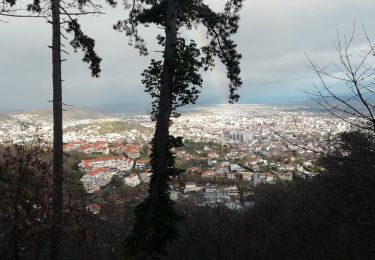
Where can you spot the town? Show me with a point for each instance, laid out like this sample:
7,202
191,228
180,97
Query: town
228,150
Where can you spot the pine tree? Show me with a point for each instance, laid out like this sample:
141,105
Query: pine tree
61,15
173,82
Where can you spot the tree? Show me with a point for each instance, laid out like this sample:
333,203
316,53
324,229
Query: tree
353,73
331,215
25,195
54,10
173,82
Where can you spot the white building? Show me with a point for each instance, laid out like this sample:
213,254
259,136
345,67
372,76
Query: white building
234,167
120,163
93,180
190,186
173,195
132,180
145,176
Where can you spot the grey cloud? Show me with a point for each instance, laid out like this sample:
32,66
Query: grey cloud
273,37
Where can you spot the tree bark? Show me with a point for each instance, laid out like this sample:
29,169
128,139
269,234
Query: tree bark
165,100
57,210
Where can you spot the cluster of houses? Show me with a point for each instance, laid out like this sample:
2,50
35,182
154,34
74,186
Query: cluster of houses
234,171
131,151
98,172
211,195
255,174
87,148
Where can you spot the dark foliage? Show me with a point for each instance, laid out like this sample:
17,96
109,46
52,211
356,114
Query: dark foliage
155,225
219,25
86,44
328,217
173,82
25,201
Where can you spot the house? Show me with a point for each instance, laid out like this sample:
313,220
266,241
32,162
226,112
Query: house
173,195
221,172
231,175
211,162
190,186
246,176
214,195
299,168
93,180
132,180
142,164
94,208
234,167
212,155
263,162
193,169
73,146
119,163
207,174
132,151
252,161
145,176
88,148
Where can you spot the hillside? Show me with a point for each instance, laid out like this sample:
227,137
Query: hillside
5,117
70,114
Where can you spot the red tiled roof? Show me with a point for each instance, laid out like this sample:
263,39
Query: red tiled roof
97,171
94,206
143,161
105,159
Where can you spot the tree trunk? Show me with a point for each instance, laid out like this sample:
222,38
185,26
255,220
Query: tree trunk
165,100
57,211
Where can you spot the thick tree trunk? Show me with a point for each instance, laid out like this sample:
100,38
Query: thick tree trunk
57,214
165,101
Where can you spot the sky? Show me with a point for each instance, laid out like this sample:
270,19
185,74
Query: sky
274,38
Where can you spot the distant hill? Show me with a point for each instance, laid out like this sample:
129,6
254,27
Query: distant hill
82,114
5,117
70,114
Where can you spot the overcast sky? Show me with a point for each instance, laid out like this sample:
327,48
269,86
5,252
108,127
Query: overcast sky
273,38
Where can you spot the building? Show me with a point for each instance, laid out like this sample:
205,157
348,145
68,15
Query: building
234,167
88,148
190,186
132,151
142,164
145,176
93,180
132,180
256,179
94,208
214,195
118,163
246,176
173,195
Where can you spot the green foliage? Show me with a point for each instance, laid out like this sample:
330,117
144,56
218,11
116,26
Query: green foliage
73,184
154,228
220,26
156,220
174,82
86,44
25,200
187,80
117,181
